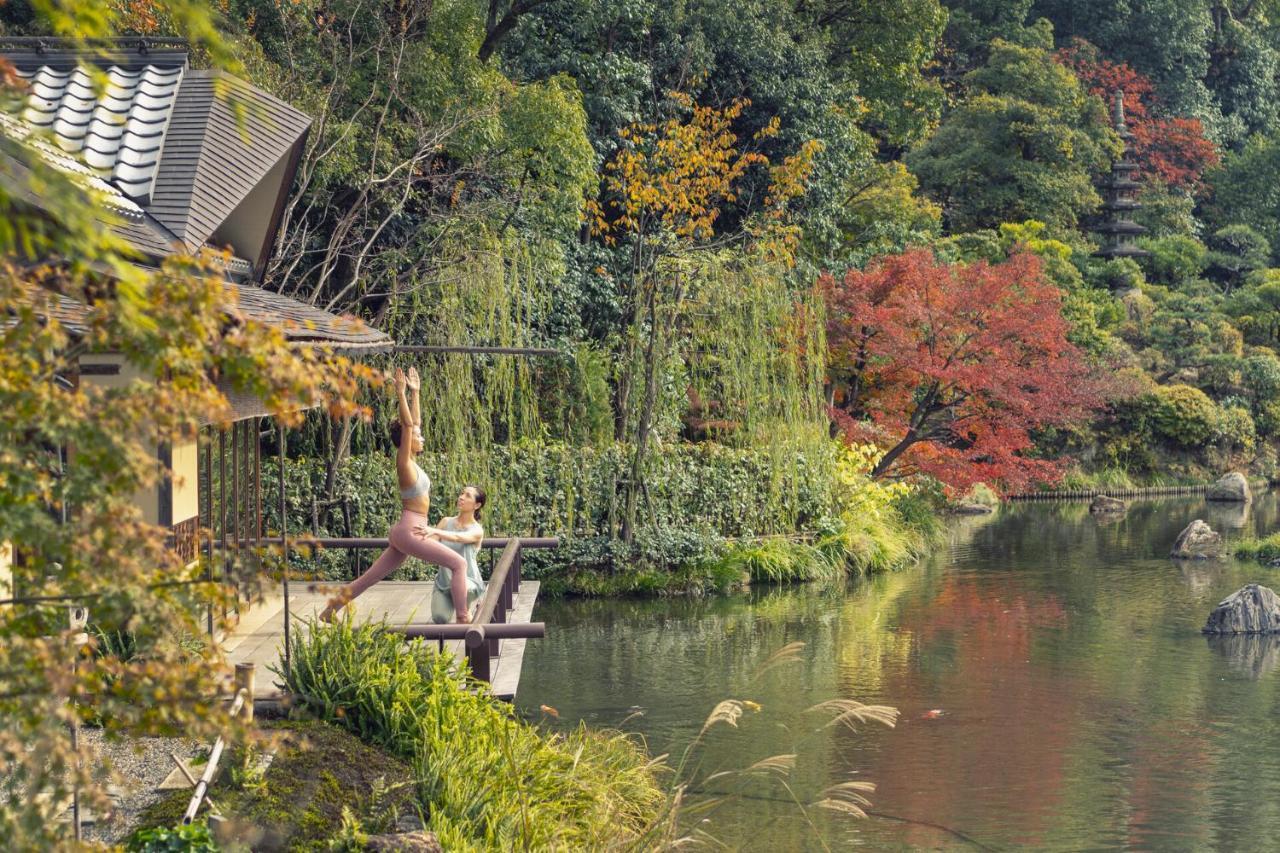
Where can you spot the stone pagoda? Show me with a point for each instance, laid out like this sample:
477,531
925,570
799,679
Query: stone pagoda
1119,232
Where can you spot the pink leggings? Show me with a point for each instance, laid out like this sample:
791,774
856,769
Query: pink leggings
404,543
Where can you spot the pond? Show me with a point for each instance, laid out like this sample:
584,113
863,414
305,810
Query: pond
1054,690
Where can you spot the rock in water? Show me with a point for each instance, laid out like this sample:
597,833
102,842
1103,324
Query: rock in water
1104,503
1252,609
1197,540
972,509
1232,487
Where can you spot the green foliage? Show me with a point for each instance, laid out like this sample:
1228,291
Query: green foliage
885,47
1263,550
1238,250
1026,144
1184,415
1235,430
779,560
1167,212
485,779
1175,260
1169,41
884,214
1246,188
76,519
191,838
693,491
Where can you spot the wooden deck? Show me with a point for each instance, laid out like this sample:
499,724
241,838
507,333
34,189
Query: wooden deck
259,636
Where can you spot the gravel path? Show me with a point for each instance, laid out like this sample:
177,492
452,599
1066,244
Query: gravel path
143,763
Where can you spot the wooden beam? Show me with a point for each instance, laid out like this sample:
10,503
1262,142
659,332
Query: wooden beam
466,350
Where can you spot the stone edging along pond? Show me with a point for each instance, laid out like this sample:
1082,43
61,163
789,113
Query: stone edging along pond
1145,492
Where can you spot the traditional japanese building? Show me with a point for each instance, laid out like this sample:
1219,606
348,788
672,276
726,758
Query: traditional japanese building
1118,230
188,159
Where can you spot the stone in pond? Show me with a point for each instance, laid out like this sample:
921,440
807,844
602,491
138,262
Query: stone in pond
972,509
1196,541
1252,609
1232,487
1105,503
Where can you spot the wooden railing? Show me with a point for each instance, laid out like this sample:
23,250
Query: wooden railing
490,621
489,626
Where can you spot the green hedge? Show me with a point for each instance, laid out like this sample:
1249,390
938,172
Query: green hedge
696,495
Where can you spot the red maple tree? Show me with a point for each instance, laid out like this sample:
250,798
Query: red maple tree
950,368
1172,150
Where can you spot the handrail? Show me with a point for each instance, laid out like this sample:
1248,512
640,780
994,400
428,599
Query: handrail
493,592
458,631
356,543
482,637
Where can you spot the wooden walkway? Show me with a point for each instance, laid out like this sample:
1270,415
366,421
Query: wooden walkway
259,636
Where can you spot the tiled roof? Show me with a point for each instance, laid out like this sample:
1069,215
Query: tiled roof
301,323
120,131
212,158
175,152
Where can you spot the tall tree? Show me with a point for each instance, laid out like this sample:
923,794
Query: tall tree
1026,144
663,198
1246,188
950,368
1166,40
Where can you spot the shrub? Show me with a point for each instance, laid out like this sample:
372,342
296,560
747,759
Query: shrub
695,495
1235,430
485,778
1175,260
779,561
193,838
1184,415
1263,550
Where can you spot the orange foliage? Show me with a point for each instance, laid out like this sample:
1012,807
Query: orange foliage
950,368
675,175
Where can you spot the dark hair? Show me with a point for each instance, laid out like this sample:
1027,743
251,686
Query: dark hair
480,497
395,433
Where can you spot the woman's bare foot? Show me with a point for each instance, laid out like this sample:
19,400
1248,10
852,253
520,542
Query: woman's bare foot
463,619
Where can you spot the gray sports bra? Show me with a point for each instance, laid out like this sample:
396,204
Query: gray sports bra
421,486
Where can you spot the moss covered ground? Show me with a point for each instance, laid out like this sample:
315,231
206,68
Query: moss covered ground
318,771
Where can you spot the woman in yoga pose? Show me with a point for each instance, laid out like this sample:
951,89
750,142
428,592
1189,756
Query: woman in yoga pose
409,536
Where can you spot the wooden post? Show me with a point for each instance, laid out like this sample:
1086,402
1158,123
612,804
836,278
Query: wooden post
244,681
284,555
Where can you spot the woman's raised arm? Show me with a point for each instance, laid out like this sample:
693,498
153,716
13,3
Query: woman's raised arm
414,384
404,453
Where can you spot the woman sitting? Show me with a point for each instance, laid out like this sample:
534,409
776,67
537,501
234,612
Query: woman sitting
461,533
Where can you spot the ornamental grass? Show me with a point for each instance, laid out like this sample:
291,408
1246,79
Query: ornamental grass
486,780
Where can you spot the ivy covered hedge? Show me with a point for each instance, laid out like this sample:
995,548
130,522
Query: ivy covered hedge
706,503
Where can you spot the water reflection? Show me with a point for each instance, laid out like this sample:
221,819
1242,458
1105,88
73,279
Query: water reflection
1249,655
1223,516
1054,688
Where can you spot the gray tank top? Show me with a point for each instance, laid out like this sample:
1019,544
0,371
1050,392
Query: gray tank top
421,486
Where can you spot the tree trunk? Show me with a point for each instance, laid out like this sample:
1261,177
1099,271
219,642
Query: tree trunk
654,353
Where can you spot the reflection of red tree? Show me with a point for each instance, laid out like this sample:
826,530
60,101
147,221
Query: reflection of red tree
1162,787
999,748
